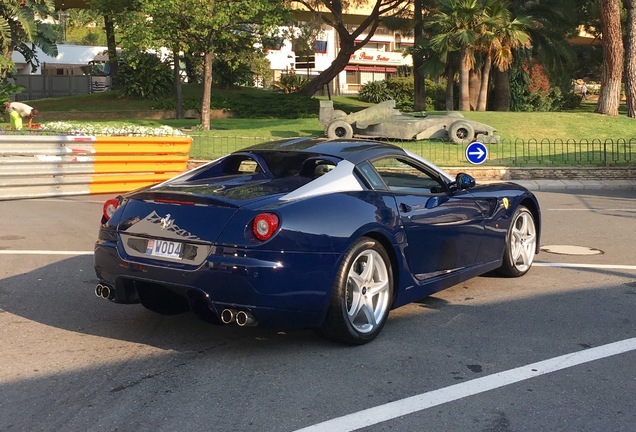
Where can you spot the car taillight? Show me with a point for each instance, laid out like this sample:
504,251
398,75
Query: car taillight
109,207
264,226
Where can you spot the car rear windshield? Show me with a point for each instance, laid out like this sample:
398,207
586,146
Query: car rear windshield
268,163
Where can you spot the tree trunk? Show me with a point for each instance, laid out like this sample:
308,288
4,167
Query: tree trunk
325,77
111,45
177,84
419,97
630,58
464,80
501,100
207,91
610,96
474,88
485,81
450,87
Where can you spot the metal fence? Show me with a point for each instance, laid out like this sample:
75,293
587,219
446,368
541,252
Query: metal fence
45,86
514,153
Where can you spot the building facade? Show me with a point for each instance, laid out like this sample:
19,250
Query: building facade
379,59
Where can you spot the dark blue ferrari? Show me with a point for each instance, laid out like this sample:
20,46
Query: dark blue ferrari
305,232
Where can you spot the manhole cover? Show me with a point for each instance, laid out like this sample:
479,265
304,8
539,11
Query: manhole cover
571,250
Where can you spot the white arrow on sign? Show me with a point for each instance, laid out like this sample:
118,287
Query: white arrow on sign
479,153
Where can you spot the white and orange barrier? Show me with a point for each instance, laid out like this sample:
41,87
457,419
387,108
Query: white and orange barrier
42,166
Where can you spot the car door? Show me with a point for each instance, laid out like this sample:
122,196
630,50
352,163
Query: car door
443,228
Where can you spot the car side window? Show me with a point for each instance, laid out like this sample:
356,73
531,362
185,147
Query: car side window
401,176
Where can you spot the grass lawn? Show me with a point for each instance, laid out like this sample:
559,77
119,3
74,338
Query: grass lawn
538,129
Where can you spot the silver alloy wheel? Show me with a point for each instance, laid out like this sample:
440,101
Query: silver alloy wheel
368,291
523,241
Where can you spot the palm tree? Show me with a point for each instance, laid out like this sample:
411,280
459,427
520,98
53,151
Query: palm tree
499,40
22,29
457,24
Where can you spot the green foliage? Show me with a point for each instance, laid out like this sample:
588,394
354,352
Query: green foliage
207,27
83,26
374,92
22,28
570,101
7,89
290,83
531,90
236,63
401,90
229,75
143,75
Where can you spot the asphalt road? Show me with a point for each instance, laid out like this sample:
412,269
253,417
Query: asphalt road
552,351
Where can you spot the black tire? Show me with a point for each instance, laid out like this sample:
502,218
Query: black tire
521,244
339,129
360,300
461,132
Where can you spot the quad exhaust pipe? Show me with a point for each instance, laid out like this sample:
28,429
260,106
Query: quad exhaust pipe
240,317
104,291
228,316
244,319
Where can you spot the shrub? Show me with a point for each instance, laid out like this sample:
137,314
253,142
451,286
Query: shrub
374,92
290,83
143,75
401,89
530,89
7,89
570,101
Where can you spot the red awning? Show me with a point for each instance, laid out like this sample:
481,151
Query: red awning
382,69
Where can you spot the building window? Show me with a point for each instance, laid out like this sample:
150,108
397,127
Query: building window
353,77
321,47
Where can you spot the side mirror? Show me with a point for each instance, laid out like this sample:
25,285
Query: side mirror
464,181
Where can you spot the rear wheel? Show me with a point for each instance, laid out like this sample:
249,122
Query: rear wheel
362,294
521,244
461,132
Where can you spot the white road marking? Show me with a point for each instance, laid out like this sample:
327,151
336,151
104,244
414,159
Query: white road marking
441,396
69,199
43,252
592,266
594,209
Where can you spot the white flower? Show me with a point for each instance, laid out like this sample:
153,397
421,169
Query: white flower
109,130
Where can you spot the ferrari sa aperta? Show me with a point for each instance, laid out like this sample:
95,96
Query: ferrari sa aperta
306,232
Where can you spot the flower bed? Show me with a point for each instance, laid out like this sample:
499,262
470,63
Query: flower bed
108,130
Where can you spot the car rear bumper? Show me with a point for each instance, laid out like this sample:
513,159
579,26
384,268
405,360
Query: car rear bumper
280,289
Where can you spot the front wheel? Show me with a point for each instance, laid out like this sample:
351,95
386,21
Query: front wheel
521,244
362,294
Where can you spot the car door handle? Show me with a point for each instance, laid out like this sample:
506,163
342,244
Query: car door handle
404,208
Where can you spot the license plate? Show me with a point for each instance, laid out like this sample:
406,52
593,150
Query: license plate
163,248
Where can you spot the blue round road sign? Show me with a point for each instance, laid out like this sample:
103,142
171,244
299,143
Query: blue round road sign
476,153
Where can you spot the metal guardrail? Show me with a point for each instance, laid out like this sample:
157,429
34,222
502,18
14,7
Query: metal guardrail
512,153
42,166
